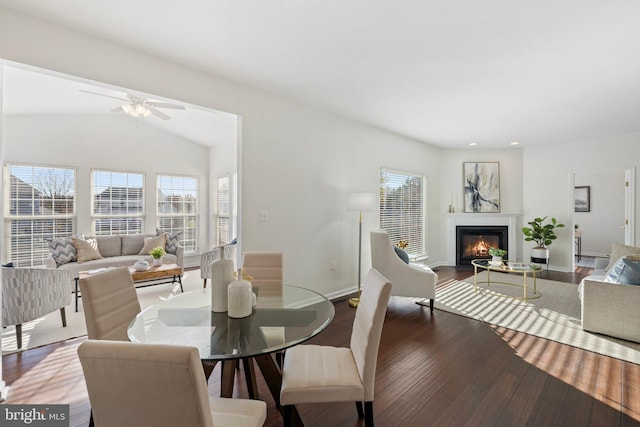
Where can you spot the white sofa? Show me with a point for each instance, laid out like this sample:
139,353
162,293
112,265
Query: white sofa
610,308
117,251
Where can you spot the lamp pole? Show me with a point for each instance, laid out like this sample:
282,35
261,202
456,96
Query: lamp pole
359,202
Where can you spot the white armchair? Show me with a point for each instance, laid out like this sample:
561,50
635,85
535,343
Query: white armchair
409,280
29,293
227,251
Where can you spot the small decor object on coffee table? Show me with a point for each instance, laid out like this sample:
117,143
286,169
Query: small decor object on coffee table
496,255
157,253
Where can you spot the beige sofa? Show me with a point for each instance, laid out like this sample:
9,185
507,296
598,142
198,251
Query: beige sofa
610,308
117,251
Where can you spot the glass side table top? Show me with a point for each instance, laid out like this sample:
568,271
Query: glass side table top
281,319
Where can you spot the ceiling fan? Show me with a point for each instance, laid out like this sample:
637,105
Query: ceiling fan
140,107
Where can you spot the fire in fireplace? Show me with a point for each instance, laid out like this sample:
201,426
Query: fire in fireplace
473,242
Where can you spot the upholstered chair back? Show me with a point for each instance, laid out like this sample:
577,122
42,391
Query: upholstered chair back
110,302
367,328
264,267
145,384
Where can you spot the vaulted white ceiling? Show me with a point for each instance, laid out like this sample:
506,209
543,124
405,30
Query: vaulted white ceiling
443,72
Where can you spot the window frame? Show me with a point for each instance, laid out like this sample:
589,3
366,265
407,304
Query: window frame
190,244
39,251
97,216
231,215
411,232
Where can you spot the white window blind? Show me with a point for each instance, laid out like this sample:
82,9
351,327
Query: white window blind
178,208
225,209
39,204
402,209
117,202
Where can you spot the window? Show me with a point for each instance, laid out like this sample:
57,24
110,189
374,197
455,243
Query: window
178,208
402,209
39,204
118,202
225,210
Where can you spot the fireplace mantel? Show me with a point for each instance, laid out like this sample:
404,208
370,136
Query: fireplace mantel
506,219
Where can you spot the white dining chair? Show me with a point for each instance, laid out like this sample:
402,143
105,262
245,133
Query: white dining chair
317,374
157,385
110,303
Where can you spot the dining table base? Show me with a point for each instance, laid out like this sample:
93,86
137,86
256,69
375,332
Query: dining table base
270,371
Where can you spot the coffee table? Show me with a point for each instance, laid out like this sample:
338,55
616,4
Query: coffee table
154,275
513,267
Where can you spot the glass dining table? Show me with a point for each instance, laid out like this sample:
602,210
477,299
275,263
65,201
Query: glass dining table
282,317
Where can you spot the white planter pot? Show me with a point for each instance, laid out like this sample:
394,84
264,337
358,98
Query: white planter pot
157,262
540,255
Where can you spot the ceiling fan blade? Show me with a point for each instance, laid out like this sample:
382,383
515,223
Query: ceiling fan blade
101,94
165,105
117,110
158,113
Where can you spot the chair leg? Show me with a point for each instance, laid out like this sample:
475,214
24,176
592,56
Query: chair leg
431,302
368,414
205,283
286,417
91,423
63,315
360,410
19,335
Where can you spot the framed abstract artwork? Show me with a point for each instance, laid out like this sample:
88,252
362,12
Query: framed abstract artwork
581,197
481,186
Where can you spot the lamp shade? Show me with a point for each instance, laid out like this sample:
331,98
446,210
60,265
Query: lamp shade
360,202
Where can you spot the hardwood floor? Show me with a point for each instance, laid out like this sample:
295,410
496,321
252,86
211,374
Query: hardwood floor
441,370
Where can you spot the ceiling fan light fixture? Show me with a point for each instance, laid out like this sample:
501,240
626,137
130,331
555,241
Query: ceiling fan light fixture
127,108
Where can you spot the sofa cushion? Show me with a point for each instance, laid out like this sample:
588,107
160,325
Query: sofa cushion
618,251
62,250
109,245
152,242
87,249
132,244
626,271
173,240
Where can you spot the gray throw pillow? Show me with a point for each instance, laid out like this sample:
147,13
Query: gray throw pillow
625,271
173,241
402,254
62,250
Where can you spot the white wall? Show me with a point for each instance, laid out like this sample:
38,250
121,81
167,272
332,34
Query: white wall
603,224
113,142
452,183
547,181
297,163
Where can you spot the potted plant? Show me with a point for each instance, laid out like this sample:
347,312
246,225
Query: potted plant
497,254
543,235
157,253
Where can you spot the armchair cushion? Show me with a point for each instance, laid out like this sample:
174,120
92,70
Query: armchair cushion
402,254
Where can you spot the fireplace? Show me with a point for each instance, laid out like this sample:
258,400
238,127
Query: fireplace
473,242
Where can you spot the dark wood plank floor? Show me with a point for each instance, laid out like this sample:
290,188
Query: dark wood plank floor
441,370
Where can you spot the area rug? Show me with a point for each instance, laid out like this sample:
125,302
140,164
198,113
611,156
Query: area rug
48,329
554,316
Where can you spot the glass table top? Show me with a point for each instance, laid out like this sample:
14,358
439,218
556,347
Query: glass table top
281,318
505,266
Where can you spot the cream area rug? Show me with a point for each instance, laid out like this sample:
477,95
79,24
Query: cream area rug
48,329
554,316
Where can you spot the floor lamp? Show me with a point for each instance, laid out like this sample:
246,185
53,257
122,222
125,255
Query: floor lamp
359,202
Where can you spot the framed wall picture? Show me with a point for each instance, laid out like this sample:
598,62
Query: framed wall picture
582,198
481,186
